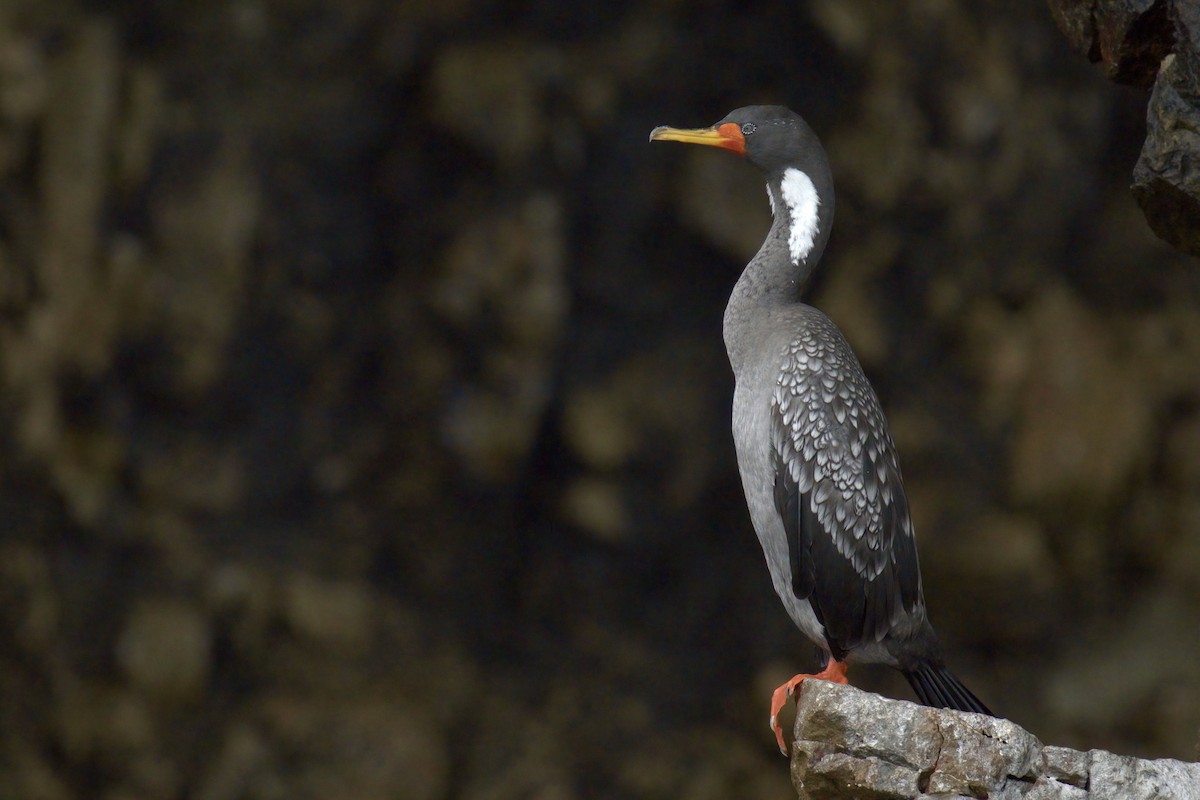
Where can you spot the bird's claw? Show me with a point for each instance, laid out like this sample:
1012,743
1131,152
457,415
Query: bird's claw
778,735
779,699
834,671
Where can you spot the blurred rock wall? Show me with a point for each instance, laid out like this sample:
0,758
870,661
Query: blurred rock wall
365,414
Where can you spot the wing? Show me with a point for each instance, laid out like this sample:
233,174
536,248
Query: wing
839,493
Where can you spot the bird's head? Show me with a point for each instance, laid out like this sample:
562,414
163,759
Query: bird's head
772,138
778,142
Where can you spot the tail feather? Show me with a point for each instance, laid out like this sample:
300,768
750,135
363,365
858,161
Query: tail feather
936,687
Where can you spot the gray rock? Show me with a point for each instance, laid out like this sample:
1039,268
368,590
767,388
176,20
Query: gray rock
852,744
1045,788
979,754
1065,765
1113,777
1166,179
866,725
831,774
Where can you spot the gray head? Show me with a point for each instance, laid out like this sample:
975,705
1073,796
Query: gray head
772,138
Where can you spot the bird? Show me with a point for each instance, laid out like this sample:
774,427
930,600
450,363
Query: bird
818,464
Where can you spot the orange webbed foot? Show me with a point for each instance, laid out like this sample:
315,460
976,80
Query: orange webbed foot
835,671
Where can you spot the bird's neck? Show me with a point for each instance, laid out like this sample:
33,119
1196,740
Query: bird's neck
802,205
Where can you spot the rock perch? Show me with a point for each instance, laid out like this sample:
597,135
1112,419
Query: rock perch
853,744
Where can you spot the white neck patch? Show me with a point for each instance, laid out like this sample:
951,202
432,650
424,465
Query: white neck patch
800,197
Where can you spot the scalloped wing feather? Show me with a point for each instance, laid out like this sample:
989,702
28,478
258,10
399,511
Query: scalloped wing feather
839,493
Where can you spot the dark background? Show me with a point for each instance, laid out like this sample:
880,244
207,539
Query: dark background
365,411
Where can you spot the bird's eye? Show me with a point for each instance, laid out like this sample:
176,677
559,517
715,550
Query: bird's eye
749,128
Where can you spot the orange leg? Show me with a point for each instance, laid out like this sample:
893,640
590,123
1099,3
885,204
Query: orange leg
834,671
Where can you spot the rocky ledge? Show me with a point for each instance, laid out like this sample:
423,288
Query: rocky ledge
853,744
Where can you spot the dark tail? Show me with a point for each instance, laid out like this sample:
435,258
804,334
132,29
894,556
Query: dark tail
936,687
